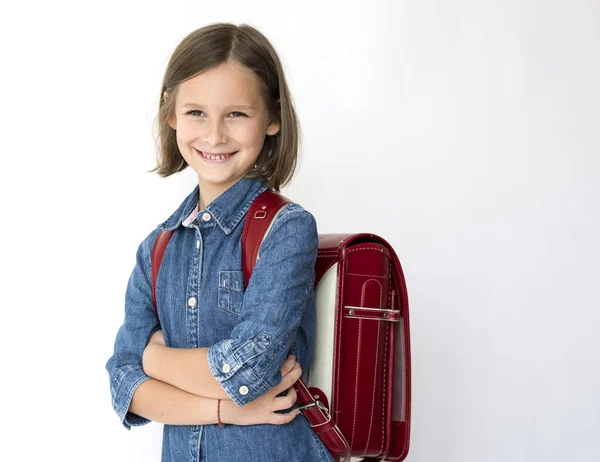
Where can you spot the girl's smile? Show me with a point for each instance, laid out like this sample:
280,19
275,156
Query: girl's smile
215,158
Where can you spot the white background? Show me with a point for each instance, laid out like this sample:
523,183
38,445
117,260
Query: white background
464,132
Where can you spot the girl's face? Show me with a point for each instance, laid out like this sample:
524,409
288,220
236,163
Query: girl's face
221,112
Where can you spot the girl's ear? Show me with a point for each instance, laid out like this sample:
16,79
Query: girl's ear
171,119
273,127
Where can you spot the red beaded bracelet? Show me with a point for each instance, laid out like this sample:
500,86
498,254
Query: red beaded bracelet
221,424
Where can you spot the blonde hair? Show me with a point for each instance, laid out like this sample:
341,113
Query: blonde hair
209,47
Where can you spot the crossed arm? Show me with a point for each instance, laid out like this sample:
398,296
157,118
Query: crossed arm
161,399
172,397
184,368
182,389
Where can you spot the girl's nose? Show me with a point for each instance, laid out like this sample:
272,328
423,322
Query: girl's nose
215,133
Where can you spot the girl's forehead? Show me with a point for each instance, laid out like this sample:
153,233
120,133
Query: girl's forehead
226,83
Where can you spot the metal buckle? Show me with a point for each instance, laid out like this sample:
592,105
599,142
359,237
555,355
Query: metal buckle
321,406
317,403
260,214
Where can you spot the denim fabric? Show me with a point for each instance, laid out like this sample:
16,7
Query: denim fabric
202,302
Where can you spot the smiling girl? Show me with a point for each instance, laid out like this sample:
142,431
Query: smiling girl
218,364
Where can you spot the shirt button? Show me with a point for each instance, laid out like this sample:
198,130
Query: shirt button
226,368
198,243
243,390
192,302
206,216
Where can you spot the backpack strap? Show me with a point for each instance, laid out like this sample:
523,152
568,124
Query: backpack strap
158,251
258,221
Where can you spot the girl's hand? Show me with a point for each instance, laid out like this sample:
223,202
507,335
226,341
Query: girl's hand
158,338
262,410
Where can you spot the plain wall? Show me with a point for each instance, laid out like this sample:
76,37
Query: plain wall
466,133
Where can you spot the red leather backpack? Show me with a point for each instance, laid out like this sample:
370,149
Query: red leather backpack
356,393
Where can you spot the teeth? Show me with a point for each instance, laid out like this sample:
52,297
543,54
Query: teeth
215,157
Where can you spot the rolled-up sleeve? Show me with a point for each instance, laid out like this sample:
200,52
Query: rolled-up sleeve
279,291
125,365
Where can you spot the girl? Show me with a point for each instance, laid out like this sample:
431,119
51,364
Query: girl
215,369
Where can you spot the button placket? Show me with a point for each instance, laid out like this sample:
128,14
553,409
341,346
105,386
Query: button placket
192,302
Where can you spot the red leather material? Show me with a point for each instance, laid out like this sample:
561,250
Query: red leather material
400,442
328,254
321,421
158,251
260,214
336,248
362,350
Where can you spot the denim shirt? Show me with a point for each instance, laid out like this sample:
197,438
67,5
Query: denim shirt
249,331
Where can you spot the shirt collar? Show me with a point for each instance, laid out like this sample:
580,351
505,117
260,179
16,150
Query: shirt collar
227,209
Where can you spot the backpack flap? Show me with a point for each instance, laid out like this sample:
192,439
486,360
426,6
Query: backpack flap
400,347
356,353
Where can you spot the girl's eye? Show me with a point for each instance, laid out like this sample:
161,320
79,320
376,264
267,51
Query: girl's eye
197,113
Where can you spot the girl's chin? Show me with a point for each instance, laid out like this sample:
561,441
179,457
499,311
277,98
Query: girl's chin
215,179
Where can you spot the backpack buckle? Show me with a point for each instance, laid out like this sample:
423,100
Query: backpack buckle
317,403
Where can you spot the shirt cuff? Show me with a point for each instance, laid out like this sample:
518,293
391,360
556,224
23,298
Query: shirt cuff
128,378
233,366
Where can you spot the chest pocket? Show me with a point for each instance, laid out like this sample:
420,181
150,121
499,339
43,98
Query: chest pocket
231,291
